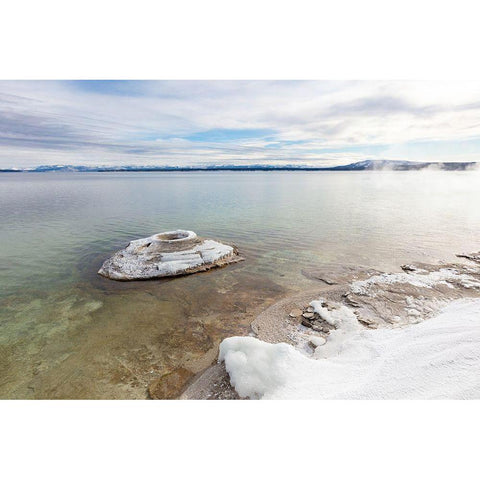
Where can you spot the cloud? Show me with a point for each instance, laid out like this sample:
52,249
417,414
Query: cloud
219,122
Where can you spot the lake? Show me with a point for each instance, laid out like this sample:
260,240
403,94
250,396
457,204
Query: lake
66,332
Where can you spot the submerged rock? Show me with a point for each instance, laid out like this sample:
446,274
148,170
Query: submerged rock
168,254
169,386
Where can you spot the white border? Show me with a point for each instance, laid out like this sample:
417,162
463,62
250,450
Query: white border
227,439
252,39
239,40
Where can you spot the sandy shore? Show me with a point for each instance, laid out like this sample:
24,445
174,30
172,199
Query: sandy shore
414,293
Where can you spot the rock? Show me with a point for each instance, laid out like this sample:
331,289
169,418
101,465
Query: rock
408,268
317,341
168,254
310,309
474,257
350,301
295,313
328,281
308,315
306,323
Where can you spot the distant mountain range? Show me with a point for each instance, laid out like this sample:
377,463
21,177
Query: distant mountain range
395,165
404,165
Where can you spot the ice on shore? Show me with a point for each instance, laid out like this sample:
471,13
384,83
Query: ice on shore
419,278
438,358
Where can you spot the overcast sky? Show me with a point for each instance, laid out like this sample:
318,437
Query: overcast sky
236,122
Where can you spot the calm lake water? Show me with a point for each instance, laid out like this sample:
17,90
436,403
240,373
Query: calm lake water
66,332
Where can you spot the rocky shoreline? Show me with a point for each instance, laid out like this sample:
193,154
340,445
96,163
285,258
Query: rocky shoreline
377,299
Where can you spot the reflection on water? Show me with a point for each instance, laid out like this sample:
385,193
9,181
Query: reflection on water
67,333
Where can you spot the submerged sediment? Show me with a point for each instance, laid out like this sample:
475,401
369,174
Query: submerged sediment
168,254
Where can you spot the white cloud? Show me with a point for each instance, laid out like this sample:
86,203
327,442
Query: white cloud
309,122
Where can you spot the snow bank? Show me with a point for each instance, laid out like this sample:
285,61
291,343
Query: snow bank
439,358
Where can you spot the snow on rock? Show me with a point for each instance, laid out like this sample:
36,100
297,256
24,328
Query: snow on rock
167,254
334,317
444,276
317,341
438,358
344,321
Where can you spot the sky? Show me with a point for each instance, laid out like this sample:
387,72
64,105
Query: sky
199,123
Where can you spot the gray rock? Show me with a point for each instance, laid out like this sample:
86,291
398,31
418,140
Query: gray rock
474,257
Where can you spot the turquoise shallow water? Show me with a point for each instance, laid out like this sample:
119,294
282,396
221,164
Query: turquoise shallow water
65,332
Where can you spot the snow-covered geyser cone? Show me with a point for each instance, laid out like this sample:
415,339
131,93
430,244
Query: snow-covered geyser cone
167,254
